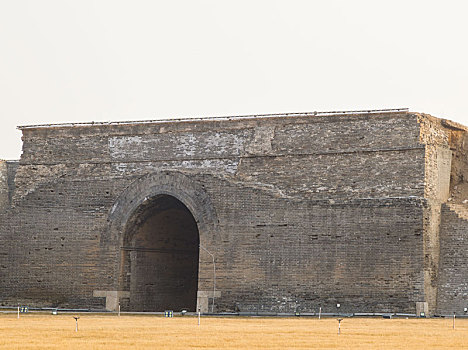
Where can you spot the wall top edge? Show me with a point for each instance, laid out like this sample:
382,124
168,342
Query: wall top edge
225,118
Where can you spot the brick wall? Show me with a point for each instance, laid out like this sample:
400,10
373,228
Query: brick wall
4,200
453,270
300,212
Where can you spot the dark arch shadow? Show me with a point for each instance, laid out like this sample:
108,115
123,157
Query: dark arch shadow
160,256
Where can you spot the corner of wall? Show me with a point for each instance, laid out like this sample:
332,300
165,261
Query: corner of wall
7,182
453,266
438,164
446,193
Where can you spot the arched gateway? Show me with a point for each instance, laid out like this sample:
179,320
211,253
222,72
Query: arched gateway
159,222
160,256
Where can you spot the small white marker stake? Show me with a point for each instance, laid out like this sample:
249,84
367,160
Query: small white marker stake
339,325
119,309
76,320
453,326
198,316
320,312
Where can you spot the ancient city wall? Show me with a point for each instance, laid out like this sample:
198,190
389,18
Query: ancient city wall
300,212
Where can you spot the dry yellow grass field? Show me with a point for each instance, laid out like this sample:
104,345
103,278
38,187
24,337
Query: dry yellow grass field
34,331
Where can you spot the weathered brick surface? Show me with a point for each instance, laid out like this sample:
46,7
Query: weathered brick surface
453,270
300,212
7,183
4,201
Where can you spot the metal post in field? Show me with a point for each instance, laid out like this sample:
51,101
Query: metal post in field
320,312
76,323
119,309
198,316
453,325
339,325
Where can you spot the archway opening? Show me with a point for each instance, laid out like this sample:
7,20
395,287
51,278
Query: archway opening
160,257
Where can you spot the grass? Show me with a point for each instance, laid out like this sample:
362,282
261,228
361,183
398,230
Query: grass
33,331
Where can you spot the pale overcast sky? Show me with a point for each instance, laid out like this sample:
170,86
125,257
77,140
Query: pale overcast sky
111,60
